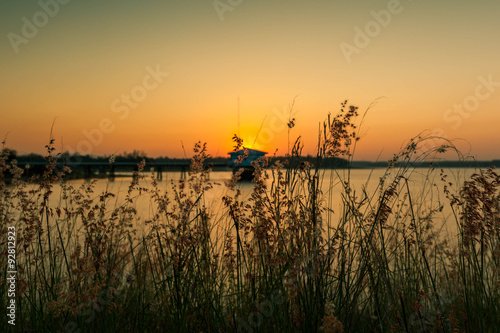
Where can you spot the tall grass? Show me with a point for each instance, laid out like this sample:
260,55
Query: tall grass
284,260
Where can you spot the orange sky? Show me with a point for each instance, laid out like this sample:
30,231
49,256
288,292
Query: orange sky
123,75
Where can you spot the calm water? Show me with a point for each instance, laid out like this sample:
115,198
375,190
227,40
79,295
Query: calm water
425,186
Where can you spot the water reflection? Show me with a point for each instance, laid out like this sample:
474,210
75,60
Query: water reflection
424,184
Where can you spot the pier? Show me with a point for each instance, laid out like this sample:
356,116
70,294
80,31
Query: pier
109,170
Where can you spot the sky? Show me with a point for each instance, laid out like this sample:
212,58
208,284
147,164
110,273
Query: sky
110,76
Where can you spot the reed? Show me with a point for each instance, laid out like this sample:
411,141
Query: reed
283,260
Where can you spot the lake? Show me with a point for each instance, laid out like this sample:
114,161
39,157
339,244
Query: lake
423,184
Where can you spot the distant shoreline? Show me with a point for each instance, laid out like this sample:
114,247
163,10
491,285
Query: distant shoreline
101,171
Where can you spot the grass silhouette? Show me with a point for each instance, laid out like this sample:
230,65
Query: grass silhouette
281,260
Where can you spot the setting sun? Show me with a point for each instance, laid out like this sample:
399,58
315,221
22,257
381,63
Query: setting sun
250,166
150,76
